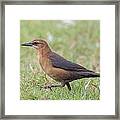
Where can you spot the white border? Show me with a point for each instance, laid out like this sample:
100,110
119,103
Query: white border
104,13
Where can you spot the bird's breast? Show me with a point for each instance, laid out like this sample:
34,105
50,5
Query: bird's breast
45,63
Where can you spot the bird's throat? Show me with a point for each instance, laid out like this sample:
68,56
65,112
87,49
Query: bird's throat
43,52
43,57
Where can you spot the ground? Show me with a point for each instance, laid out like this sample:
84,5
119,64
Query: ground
77,41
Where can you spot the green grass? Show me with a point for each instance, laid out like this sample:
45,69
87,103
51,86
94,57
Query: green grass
77,41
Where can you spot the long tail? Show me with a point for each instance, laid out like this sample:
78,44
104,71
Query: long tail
91,74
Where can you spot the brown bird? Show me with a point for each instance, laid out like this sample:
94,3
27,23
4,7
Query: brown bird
58,67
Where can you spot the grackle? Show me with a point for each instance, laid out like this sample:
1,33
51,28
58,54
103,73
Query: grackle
58,67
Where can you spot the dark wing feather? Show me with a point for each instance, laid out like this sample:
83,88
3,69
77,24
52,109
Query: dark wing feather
59,62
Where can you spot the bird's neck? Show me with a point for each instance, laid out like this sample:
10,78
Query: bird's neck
43,57
43,52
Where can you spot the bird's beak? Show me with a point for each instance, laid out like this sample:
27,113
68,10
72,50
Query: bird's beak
27,44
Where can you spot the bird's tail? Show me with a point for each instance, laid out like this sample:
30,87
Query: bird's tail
91,74
96,75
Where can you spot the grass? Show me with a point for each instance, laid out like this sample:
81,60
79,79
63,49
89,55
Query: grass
77,41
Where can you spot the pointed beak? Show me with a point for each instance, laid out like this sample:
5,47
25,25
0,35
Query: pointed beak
27,44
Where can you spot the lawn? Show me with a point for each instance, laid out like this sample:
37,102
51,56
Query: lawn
77,41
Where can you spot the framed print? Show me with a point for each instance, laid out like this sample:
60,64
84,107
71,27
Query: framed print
59,59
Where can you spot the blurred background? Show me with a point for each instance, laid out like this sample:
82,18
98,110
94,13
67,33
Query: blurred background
77,41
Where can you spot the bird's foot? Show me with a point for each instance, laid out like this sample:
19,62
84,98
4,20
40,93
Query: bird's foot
48,86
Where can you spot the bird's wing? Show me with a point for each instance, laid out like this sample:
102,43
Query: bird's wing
59,62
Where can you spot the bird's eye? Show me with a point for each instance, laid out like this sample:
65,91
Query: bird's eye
35,43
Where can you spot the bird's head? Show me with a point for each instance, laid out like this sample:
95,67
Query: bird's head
36,43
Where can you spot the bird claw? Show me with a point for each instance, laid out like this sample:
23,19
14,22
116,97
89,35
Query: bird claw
48,87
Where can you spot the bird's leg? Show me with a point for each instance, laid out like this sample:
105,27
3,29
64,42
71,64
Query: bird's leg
46,80
68,85
62,85
47,83
45,77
